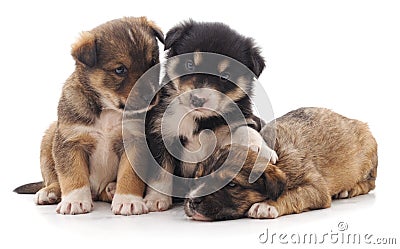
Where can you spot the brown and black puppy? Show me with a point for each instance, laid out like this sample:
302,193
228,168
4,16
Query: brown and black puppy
322,156
199,101
82,154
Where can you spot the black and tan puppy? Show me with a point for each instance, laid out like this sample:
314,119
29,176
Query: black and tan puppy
82,154
322,156
197,101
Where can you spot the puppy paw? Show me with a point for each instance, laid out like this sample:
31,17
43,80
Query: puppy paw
262,210
273,157
267,152
110,190
78,201
157,202
123,204
47,196
341,195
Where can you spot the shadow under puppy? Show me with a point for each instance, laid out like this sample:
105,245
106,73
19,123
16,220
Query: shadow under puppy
322,156
198,92
82,154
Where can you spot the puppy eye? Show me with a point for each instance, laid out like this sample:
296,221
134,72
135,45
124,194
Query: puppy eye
232,185
224,76
153,62
121,70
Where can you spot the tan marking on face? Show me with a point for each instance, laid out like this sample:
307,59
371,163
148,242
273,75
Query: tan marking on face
242,82
176,83
236,94
223,65
97,79
186,86
197,58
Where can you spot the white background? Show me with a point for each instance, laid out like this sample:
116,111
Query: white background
343,55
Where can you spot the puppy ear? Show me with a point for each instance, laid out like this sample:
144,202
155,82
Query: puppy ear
159,34
176,33
258,63
157,31
256,122
275,181
84,50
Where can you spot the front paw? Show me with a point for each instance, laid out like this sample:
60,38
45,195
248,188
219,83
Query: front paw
273,157
157,202
262,210
47,196
123,204
110,190
270,154
78,201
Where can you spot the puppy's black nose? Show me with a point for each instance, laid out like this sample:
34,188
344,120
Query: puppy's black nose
197,101
121,106
194,202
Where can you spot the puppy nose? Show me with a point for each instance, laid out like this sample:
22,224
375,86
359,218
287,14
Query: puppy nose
193,202
121,106
197,101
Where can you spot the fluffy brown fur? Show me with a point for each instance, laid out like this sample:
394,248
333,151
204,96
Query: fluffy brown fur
82,153
322,156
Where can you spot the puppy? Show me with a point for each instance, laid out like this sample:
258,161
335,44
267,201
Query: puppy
322,156
82,154
195,103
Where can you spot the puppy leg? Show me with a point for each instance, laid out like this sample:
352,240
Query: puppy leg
361,188
341,195
364,187
157,201
108,193
71,158
51,193
296,200
128,198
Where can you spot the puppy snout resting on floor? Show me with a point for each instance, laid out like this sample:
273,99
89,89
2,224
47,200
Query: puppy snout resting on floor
322,156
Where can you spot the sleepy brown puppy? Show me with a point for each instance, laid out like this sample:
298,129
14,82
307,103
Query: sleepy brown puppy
322,156
82,154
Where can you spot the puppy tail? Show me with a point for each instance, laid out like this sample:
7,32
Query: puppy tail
30,188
